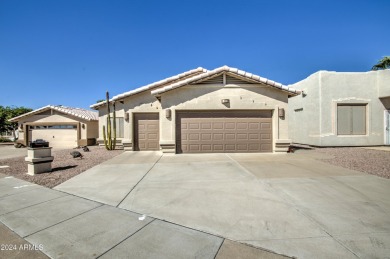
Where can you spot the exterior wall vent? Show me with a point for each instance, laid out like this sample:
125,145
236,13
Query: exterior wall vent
235,81
218,80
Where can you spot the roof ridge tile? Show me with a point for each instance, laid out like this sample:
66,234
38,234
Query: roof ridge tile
226,69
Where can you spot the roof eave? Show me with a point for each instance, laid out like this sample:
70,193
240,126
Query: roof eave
148,87
51,107
15,119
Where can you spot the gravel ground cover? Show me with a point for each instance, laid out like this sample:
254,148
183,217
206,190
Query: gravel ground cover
375,162
64,165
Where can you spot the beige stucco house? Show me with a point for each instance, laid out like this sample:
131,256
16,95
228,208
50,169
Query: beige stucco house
61,126
341,109
203,111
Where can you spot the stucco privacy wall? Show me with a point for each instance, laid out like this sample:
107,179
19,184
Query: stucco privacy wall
317,107
383,81
303,111
208,97
92,129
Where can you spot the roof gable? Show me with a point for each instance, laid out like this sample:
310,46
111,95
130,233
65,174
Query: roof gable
161,83
230,72
76,112
229,78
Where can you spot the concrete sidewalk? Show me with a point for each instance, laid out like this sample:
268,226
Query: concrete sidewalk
61,225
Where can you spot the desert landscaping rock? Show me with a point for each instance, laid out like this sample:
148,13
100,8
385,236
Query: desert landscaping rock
64,165
375,162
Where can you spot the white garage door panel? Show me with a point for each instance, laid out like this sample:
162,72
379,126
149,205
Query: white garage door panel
58,138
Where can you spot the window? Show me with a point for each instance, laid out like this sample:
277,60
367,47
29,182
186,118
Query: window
119,127
54,127
351,119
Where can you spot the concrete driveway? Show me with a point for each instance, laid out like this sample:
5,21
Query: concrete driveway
288,203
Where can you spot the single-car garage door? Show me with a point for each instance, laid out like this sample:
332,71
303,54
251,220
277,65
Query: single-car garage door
58,136
146,131
224,131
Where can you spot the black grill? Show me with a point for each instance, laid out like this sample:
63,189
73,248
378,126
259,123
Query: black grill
39,143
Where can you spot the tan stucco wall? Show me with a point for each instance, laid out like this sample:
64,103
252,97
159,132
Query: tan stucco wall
142,102
316,124
89,132
200,97
383,81
49,118
92,128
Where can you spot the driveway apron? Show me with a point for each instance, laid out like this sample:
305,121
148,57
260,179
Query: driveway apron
111,181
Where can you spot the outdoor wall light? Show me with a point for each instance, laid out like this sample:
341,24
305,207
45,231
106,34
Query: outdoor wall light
82,125
281,113
127,116
168,113
224,101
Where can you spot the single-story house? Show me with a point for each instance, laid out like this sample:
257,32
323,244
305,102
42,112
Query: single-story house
203,111
341,109
61,126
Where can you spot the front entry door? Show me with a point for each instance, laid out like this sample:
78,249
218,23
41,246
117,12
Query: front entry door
146,131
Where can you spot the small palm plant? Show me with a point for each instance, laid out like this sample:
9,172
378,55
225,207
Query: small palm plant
384,63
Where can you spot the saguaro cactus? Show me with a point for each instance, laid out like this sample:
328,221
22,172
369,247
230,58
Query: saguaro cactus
109,142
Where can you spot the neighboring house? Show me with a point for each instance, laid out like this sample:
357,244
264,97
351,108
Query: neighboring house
341,109
201,111
7,134
62,127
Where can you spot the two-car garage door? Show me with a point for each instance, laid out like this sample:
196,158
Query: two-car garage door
58,136
223,131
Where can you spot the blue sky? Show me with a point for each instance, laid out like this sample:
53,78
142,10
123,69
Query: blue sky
70,52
